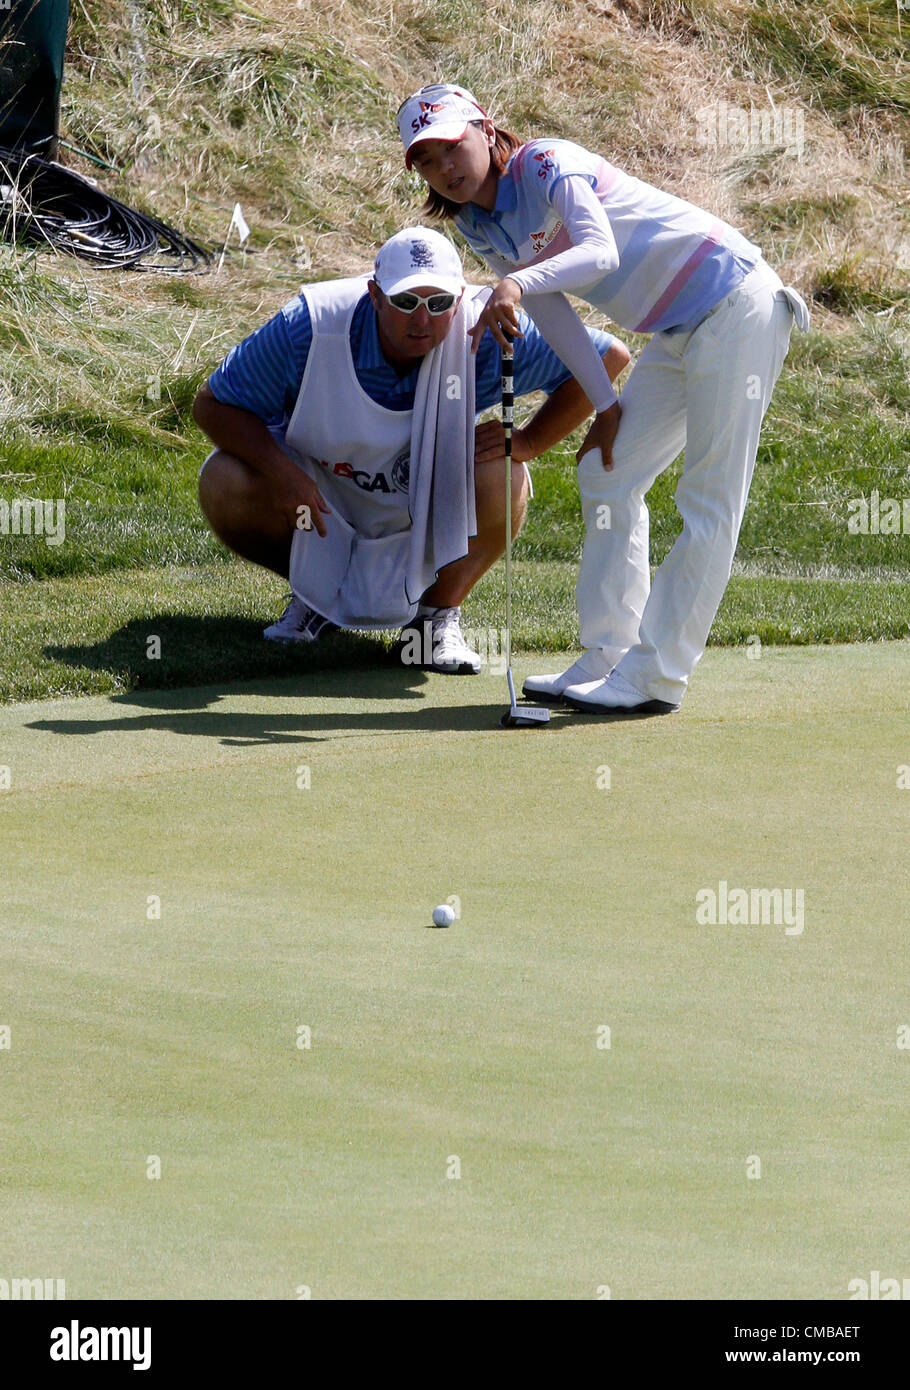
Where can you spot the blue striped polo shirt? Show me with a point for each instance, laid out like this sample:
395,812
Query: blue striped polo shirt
263,373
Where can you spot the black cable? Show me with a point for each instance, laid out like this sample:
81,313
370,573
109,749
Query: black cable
44,204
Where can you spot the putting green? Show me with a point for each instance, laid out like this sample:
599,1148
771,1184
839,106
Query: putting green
284,906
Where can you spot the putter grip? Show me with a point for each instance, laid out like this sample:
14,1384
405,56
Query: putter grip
508,401
508,387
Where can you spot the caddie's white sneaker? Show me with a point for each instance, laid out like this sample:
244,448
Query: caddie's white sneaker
591,666
436,643
298,623
614,695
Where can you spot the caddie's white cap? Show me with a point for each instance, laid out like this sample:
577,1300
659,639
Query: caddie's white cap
440,112
418,256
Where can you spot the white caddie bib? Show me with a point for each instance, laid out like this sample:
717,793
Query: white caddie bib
358,454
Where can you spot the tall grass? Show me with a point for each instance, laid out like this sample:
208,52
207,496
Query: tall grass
290,110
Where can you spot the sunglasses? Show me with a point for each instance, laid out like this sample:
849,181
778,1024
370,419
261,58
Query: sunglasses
436,304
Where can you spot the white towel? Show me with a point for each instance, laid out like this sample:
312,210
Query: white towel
441,483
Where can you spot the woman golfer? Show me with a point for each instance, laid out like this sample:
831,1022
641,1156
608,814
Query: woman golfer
550,217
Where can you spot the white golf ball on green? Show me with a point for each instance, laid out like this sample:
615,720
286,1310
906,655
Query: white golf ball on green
443,915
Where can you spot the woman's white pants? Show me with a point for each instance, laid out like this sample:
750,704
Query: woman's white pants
706,391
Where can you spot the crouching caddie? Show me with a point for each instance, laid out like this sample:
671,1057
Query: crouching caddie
348,458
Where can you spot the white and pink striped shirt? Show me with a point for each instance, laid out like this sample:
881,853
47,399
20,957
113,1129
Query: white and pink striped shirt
566,221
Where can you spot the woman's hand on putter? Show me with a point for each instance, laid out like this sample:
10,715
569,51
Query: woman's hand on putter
490,444
601,435
500,315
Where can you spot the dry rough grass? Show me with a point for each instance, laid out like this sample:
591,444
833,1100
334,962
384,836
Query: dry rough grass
289,108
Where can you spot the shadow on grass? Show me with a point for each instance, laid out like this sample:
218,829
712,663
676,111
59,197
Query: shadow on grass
170,650
240,730
204,659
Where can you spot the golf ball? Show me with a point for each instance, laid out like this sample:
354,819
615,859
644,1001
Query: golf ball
443,915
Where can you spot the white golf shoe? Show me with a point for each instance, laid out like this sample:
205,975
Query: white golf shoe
591,666
614,695
436,643
298,623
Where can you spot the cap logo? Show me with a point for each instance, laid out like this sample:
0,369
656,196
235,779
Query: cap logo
421,255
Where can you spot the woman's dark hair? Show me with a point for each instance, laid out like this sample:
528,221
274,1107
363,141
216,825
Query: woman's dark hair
506,145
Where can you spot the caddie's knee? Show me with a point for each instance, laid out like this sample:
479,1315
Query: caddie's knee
490,500
224,482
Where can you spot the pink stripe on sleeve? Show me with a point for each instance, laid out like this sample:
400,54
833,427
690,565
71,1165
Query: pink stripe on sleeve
607,174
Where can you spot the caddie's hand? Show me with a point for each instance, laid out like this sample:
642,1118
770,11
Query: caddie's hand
490,444
601,435
500,312
304,504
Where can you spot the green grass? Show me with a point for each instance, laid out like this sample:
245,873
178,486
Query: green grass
138,555
129,505
850,285
839,426
284,907
293,114
92,634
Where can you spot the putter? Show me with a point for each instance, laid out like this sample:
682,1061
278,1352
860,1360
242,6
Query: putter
516,716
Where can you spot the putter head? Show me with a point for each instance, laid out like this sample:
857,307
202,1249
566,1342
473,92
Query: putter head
522,716
525,717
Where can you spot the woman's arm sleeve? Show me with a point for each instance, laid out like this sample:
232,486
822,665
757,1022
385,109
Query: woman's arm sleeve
593,252
568,337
